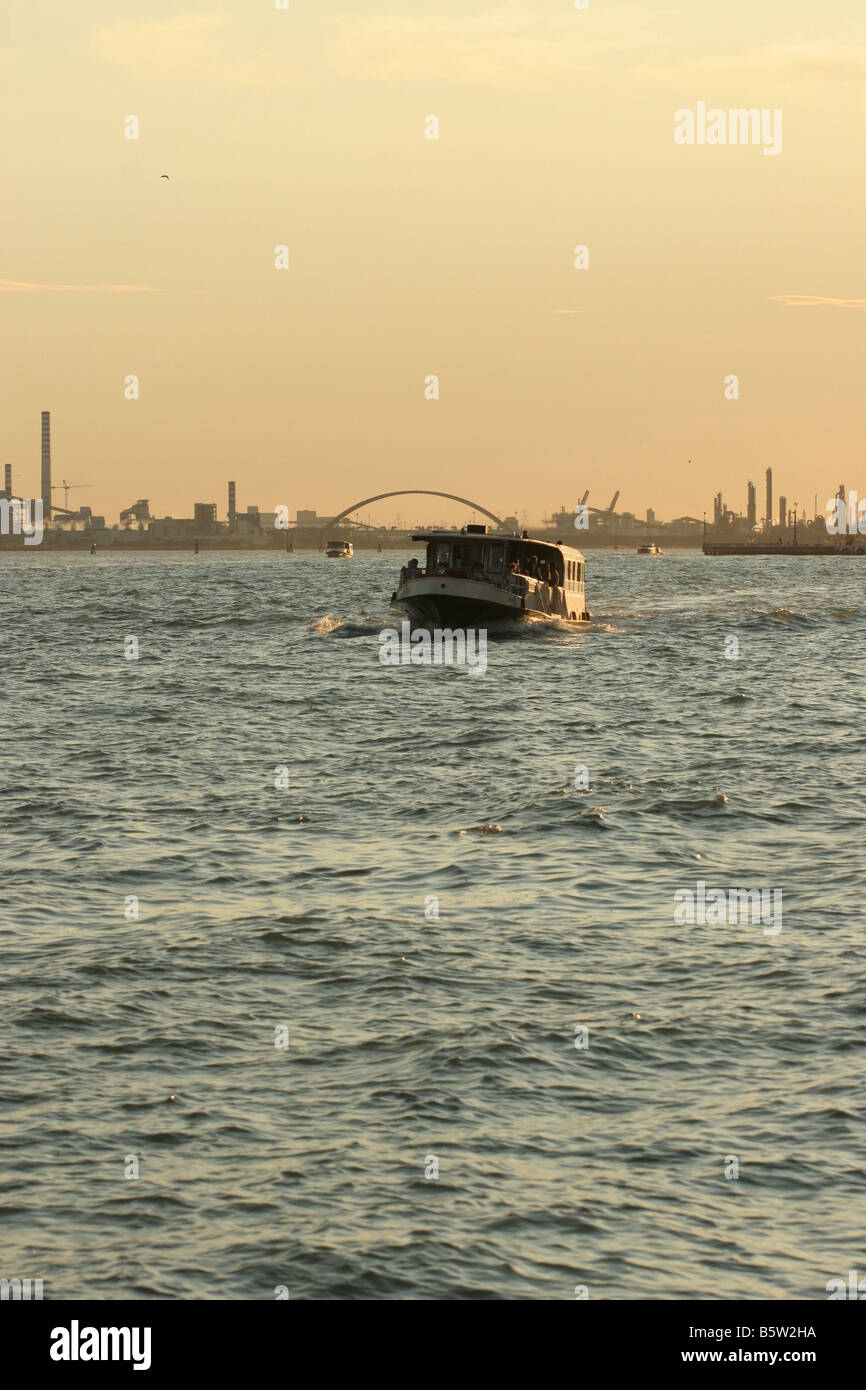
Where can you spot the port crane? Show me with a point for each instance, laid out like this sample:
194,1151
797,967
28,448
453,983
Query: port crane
608,511
600,511
67,488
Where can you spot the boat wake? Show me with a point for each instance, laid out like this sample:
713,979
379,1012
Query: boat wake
530,629
329,625
329,622
602,625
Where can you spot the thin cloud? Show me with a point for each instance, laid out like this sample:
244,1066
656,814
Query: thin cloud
842,59
809,301
836,60
24,287
204,48
512,44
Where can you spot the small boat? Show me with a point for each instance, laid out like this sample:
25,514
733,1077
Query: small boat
470,577
340,550
650,549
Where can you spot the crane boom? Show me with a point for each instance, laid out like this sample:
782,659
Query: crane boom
67,488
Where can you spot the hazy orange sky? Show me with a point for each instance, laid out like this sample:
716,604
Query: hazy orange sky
411,256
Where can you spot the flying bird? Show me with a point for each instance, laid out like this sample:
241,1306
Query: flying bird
163,176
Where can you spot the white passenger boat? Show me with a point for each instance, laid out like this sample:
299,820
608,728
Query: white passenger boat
650,549
469,578
340,550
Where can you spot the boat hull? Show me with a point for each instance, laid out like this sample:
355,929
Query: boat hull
450,603
454,612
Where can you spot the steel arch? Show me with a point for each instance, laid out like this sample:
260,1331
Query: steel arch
414,492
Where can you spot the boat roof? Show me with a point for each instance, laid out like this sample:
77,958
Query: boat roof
509,537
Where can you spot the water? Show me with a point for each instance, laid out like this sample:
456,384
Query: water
411,1038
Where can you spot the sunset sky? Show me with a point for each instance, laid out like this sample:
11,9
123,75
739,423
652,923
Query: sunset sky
411,256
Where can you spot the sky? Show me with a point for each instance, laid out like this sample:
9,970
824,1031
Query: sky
412,257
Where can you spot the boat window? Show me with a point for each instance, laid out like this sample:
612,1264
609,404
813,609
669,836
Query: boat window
442,554
495,559
467,555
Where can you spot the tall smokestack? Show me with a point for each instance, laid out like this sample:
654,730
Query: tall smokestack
7,490
232,508
769,512
46,464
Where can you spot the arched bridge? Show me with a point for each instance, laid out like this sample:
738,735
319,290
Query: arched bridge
414,492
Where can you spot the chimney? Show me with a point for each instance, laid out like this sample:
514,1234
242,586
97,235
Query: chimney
7,490
768,515
46,464
232,507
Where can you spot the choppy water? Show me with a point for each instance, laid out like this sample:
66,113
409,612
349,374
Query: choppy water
412,1038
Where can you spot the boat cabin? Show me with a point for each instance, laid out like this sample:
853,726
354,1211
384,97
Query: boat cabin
473,554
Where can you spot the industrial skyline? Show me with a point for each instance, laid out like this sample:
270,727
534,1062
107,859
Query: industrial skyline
205,515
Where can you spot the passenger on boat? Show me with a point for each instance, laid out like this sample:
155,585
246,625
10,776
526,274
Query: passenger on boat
413,569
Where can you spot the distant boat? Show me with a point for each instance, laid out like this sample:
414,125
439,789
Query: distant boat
472,577
651,549
340,550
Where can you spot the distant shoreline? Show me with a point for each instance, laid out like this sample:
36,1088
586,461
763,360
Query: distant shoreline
81,544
